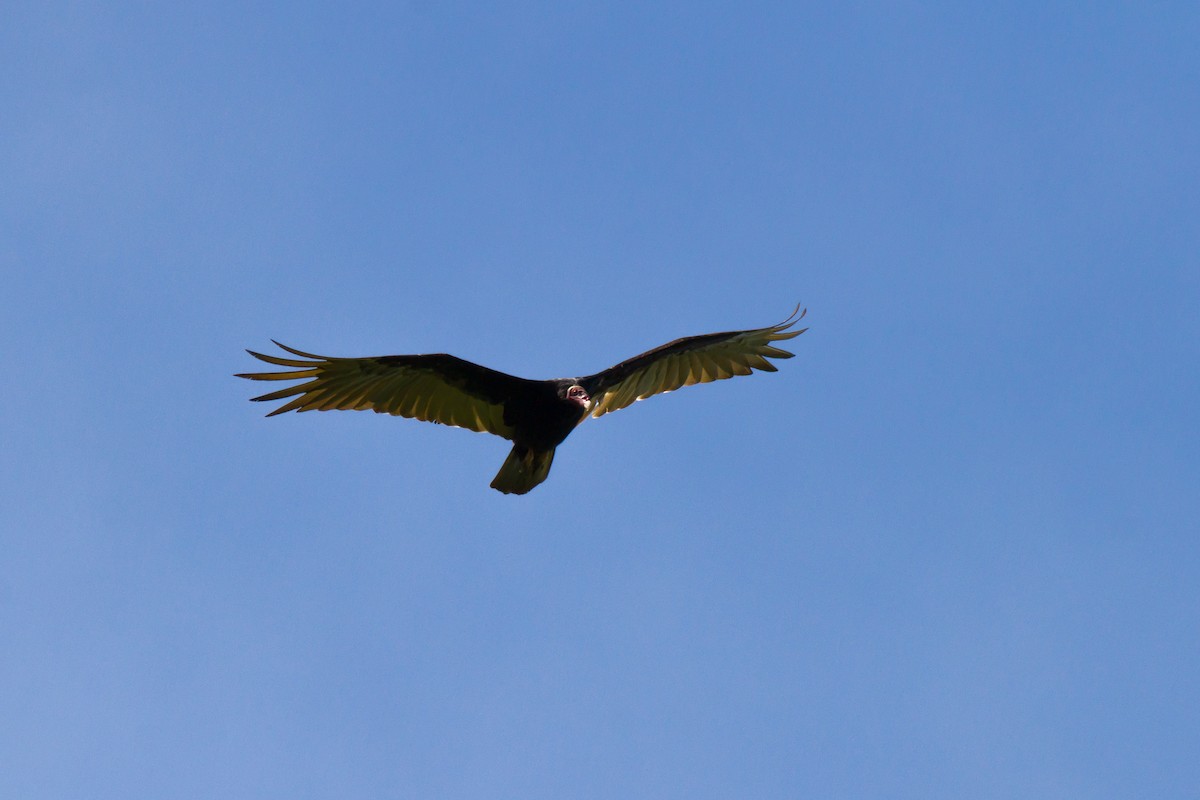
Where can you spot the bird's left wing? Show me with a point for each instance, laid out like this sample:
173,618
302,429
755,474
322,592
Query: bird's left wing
683,362
434,388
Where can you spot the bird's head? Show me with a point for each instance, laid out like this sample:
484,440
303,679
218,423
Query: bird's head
574,393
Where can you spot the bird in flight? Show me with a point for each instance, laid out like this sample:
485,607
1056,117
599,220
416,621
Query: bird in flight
536,416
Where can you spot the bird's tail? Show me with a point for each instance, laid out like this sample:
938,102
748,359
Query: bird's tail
523,470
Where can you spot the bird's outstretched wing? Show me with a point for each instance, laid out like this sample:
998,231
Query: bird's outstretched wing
683,362
434,388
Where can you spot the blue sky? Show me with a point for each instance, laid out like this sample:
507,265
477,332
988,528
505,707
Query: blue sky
949,550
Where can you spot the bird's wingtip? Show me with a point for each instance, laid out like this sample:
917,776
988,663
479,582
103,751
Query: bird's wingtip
797,314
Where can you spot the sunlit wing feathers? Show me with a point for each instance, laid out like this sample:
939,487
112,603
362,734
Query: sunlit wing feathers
683,362
434,388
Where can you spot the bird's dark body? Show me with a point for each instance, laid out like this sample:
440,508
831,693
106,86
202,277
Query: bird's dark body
543,418
535,415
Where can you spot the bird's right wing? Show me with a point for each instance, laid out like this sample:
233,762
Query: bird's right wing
687,361
434,388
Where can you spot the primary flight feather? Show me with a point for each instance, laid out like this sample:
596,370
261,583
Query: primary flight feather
535,415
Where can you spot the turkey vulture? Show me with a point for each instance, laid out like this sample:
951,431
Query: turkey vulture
535,415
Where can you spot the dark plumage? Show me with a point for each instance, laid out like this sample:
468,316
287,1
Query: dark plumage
535,415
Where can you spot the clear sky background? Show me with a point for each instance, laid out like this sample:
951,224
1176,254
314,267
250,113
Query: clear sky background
949,550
